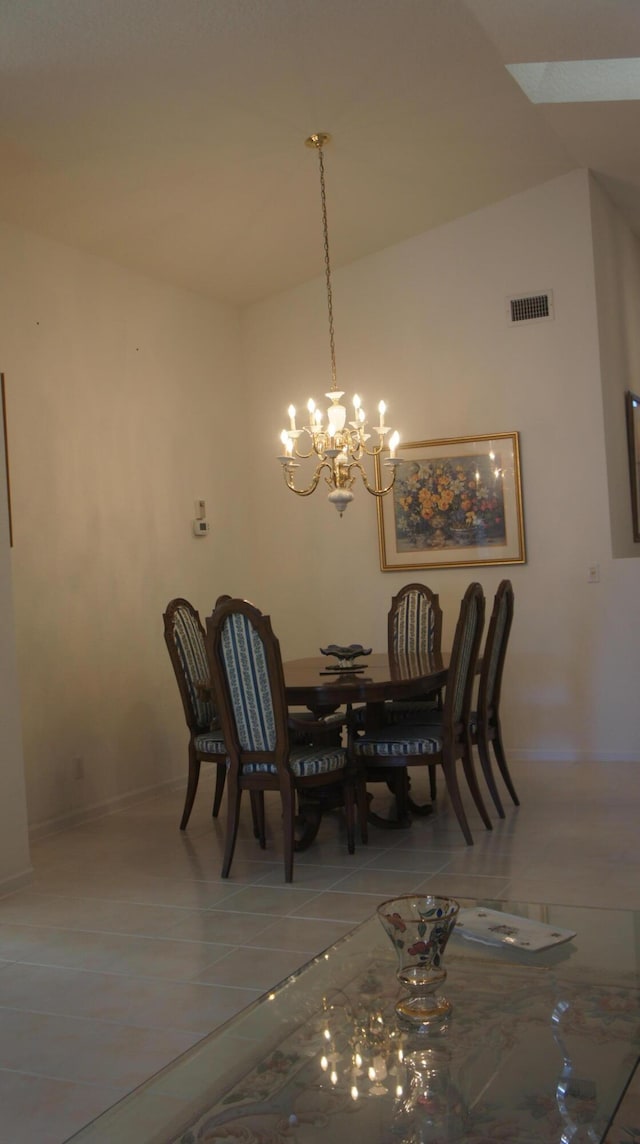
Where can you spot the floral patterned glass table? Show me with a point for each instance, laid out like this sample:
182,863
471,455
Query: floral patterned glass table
540,1047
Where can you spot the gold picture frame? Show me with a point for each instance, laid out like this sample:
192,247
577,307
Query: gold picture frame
456,502
633,441
5,433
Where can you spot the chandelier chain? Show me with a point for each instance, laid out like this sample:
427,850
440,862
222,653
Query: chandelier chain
327,267
338,446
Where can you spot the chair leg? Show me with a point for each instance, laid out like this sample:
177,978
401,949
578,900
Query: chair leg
402,794
472,782
502,765
234,795
192,786
421,809
487,771
287,794
363,810
257,814
451,780
350,812
221,775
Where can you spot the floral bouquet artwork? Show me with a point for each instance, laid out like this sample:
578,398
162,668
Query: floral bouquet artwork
450,502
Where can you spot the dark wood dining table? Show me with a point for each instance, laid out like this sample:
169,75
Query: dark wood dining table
314,683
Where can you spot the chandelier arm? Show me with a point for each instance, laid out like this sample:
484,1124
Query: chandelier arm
304,456
288,476
370,489
374,452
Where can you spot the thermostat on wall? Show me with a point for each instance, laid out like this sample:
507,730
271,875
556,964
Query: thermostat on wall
201,527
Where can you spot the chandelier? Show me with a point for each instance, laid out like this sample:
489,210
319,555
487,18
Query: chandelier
336,447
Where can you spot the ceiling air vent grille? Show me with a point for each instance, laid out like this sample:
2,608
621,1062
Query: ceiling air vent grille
530,308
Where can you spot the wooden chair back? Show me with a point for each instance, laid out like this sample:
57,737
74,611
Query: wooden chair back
185,639
495,651
464,657
414,622
248,680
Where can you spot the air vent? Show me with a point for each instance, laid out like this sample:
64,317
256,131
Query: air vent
530,308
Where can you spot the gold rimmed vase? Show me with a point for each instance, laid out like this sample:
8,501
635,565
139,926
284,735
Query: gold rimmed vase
419,927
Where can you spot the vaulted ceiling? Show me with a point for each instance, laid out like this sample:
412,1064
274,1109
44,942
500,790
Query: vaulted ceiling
168,135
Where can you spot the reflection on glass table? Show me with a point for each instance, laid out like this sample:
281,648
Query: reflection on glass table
539,1047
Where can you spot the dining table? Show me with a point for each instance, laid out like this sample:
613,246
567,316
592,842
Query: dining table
371,680
315,683
322,687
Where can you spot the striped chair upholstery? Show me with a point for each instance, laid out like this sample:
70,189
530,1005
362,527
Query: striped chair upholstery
396,746
184,637
264,751
484,724
444,738
303,762
189,642
414,624
414,619
248,682
250,692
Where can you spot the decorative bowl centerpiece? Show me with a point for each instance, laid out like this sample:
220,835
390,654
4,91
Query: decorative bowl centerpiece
419,927
346,655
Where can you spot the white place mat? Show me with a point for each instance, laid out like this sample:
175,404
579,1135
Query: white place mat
495,928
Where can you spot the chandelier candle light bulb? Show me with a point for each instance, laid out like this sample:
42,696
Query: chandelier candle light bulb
340,449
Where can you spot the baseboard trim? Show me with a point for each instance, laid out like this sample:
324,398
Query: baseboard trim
575,755
122,802
16,882
99,809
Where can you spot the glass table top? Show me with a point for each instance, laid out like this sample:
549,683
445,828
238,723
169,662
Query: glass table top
539,1047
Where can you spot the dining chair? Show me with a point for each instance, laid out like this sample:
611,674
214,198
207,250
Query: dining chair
386,753
246,669
184,637
485,721
414,621
414,624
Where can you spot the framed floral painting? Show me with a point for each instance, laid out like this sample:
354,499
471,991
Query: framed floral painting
455,502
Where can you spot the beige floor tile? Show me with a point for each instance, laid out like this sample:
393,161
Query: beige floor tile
380,883
464,885
138,1001
91,1052
253,968
219,925
40,1110
422,861
337,907
268,900
305,935
310,877
101,957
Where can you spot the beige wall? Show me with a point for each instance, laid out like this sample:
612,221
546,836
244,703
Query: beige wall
121,396
118,388
423,324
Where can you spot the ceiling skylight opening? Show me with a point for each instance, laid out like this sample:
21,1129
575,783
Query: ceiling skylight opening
579,81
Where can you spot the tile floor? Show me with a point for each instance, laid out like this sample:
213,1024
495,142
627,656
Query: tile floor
127,947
